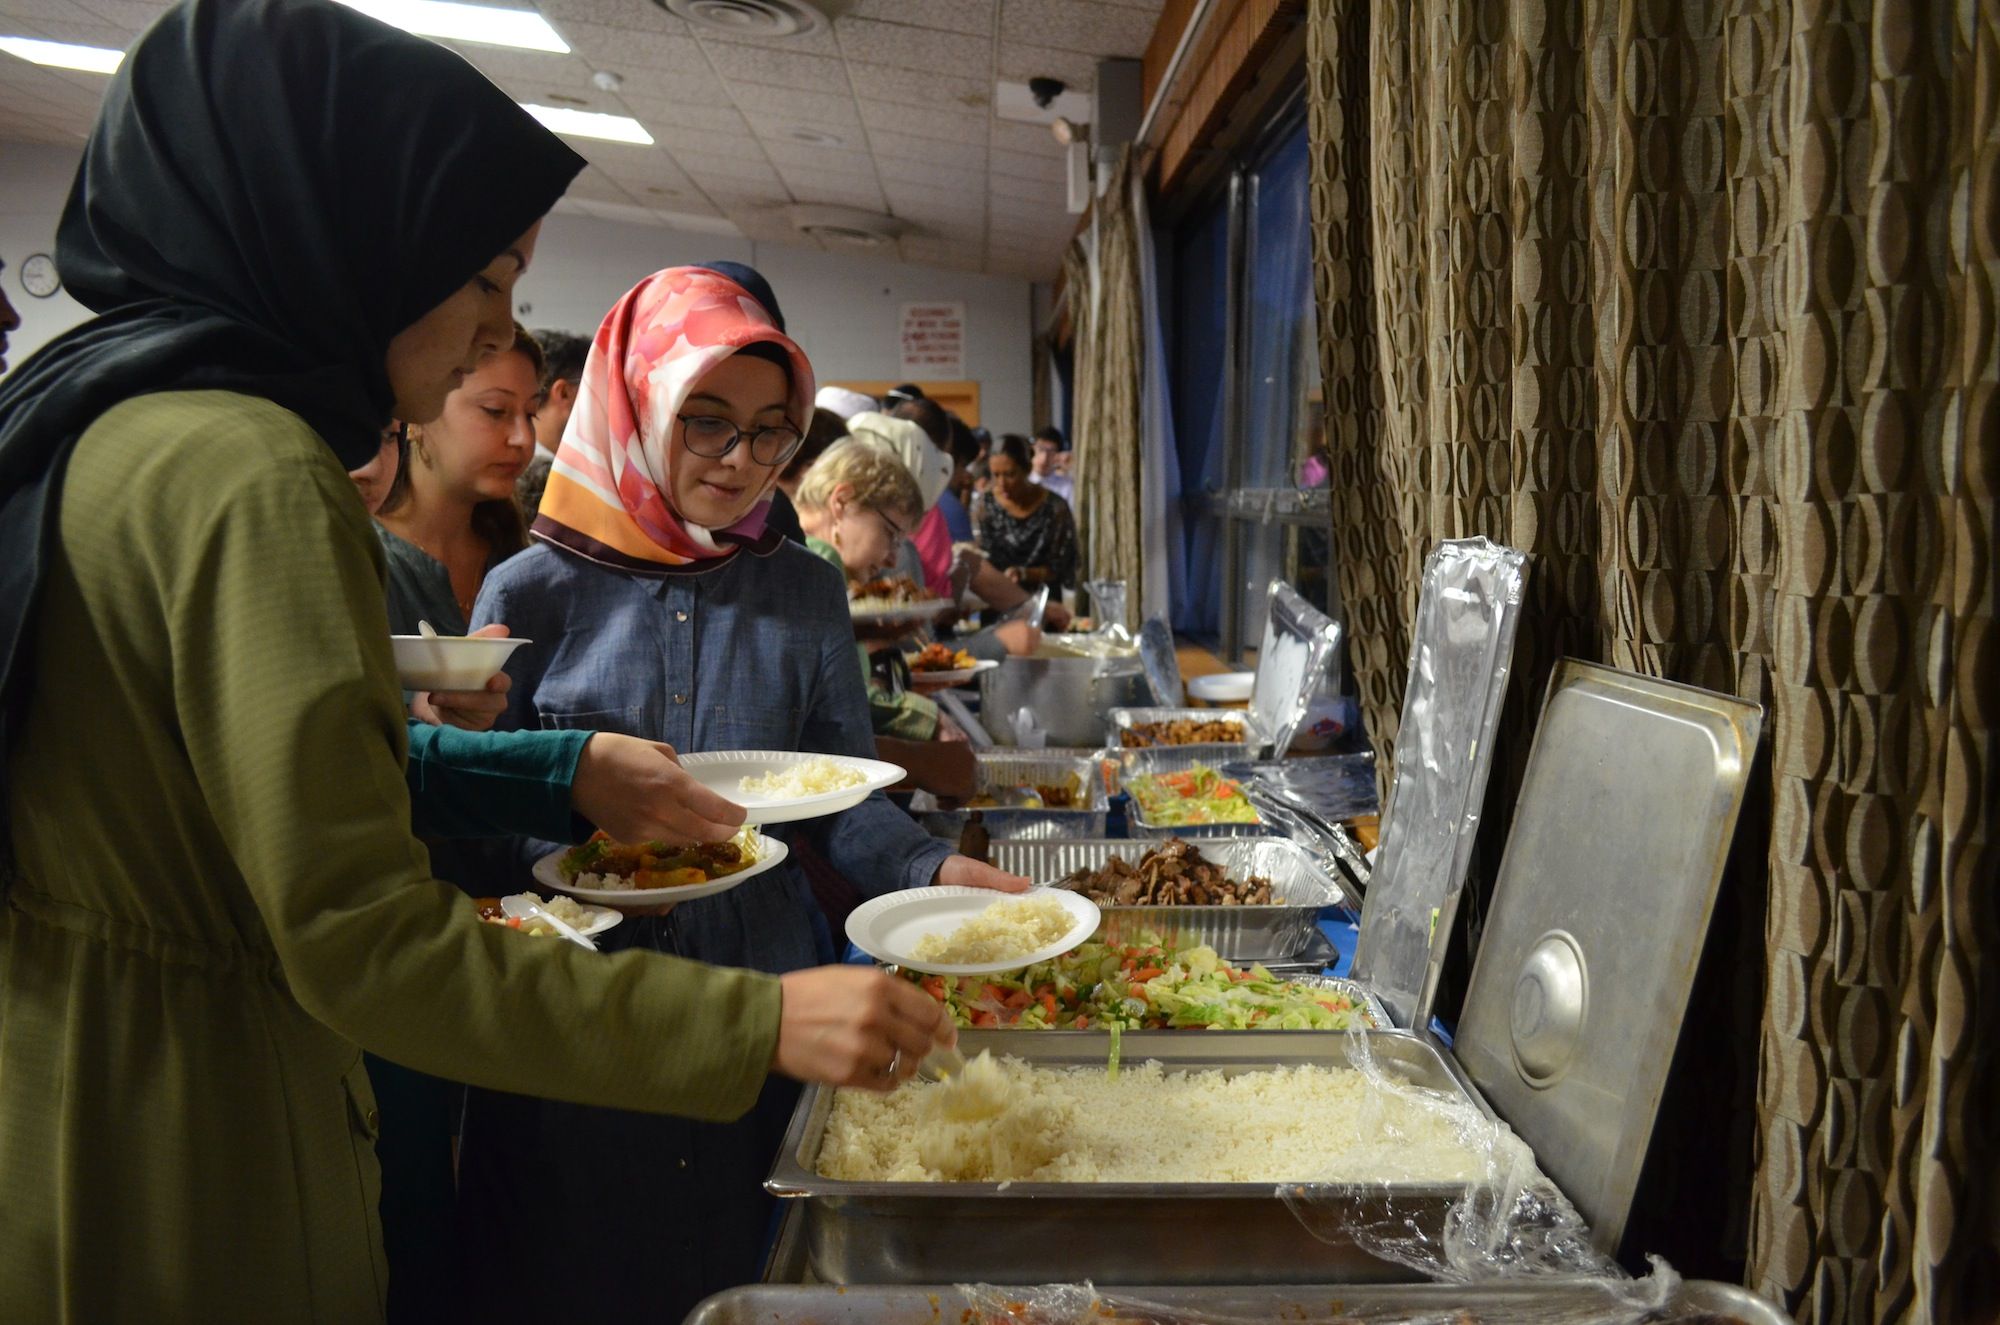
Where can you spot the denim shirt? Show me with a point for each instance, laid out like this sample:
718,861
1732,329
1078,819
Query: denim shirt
755,655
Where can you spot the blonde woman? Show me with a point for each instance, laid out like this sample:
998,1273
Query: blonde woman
858,504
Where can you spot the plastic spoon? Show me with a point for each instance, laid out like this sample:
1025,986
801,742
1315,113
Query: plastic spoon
425,629
518,908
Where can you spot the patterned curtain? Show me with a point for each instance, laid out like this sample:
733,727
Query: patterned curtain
1698,301
1104,303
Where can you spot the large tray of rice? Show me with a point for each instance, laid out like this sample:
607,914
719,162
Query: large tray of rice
1172,1173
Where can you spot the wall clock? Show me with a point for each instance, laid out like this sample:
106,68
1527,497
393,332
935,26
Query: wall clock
38,276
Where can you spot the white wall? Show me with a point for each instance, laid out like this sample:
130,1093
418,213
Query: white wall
844,309
34,180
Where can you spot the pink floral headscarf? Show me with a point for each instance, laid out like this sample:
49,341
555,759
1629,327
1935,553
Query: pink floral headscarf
607,496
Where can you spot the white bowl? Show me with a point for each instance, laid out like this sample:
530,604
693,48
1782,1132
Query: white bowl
450,662
1223,688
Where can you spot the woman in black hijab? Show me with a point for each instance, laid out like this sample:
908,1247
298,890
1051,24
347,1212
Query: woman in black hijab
293,222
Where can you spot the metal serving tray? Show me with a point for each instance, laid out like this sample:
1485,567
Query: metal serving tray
1110,1233
1016,768
1171,758
1237,933
1482,1304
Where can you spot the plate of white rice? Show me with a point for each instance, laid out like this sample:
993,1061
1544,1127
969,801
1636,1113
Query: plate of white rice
780,786
971,931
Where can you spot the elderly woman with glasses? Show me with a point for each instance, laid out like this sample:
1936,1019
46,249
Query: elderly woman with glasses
659,605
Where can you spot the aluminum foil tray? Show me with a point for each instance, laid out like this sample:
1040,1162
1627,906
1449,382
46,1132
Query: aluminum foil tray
1237,933
1170,758
998,769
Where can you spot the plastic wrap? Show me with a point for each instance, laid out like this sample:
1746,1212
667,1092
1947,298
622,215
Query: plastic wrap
1163,662
1460,656
1660,1297
1301,645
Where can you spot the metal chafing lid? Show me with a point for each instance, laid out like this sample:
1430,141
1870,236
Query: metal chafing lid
1599,915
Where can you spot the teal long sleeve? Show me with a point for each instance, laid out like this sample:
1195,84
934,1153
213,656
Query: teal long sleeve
493,784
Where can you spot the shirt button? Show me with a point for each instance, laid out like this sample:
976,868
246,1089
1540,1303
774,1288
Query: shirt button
680,615
680,699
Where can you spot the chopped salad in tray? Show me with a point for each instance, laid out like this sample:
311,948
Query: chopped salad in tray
1142,986
1198,795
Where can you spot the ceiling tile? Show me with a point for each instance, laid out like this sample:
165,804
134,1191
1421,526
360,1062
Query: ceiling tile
77,29
821,41
953,15
762,65
593,185
784,153
656,114
33,10
1020,61
922,122
1029,139
924,50
622,48
926,175
135,16
808,109
689,86
906,87
1023,165
531,75
640,15
708,142
702,167
934,151
1078,25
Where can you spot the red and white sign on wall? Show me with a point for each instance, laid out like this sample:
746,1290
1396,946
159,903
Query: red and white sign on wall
933,341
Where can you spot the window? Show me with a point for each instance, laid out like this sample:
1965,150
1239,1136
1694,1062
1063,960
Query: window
1246,394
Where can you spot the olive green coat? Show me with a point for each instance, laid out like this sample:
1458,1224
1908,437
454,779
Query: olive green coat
218,901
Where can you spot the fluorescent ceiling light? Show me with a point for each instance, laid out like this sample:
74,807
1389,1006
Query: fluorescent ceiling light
482,24
62,55
590,124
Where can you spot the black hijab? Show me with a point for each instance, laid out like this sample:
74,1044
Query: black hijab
274,189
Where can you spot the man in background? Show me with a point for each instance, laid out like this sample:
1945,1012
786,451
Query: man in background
1047,469
562,374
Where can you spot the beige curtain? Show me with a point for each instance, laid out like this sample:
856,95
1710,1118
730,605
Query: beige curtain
1695,300
1104,308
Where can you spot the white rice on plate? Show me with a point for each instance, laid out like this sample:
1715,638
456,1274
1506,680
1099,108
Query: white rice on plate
1012,927
1030,1124
810,777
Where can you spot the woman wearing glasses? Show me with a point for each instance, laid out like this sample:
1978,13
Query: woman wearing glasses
660,606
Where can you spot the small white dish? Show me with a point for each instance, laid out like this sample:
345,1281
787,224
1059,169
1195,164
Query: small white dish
515,907
771,853
956,677
1223,688
888,928
450,662
723,771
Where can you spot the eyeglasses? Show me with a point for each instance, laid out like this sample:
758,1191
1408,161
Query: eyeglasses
712,438
896,534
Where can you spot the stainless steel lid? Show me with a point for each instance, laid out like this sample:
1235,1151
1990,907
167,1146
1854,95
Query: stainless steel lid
1599,915
1300,642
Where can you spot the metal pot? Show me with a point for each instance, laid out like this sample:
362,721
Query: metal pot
1071,698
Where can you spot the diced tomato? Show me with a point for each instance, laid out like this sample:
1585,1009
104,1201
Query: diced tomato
934,986
982,1018
1083,1023
993,993
1145,973
1048,1002
1020,998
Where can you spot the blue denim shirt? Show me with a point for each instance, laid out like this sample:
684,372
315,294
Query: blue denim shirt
755,655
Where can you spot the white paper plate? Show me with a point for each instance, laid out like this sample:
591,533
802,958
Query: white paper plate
723,771
771,853
889,927
923,611
957,676
600,919
1223,688
450,662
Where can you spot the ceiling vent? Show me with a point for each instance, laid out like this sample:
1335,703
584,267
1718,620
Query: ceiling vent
847,225
753,18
